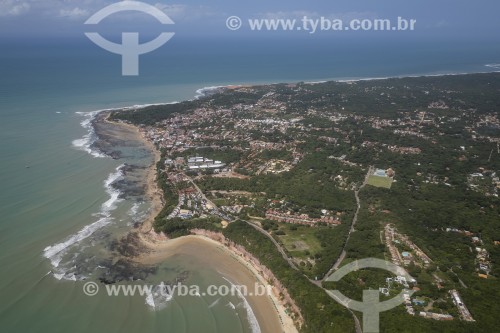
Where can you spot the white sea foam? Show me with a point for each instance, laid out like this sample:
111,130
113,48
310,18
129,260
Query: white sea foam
252,320
403,76
150,299
495,66
158,297
56,252
410,76
134,210
114,194
214,303
85,143
130,107
315,82
137,213
204,91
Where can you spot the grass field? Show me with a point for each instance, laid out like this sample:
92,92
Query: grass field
297,242
377,181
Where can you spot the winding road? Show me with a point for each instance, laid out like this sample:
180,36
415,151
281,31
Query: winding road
353,224
278,245
357,325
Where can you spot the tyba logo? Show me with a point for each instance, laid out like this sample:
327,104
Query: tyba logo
371,305
130,49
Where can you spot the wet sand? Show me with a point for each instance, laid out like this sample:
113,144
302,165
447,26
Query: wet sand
153,193
269,312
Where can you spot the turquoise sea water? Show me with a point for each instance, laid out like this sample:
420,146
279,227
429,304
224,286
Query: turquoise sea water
52,189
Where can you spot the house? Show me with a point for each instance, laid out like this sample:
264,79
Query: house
418,302
380,173
384,291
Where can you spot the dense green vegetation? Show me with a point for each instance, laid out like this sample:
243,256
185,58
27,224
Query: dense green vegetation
170,195
275,154
178,227
152,114
477,91
309,185
466,92
431,191
321,245
320,312
423,215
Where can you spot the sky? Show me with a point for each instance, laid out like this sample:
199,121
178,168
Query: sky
64,18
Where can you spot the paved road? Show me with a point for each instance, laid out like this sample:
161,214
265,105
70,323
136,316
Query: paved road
357,325
278,245
201,192
256,227
353,224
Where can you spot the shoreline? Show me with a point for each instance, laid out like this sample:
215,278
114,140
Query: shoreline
403,76
200,93
158,247
163,249
153,193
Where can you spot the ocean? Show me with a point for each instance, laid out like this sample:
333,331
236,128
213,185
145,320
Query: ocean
63,202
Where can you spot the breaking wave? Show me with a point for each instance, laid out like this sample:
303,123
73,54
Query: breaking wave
55,253
252,320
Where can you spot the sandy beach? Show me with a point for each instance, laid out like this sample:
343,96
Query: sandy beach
269,311
153,193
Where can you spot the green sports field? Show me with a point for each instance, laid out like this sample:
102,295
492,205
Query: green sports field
377,181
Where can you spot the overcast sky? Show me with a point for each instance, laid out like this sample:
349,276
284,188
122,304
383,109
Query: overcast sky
63,18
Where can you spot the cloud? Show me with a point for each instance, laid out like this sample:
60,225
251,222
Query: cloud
185,12
437,25
299,14
348,16
13,8
74,13
296,14
442,24
174,11
76,9
69,9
